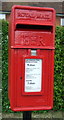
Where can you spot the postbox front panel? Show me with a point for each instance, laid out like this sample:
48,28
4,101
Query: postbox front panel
31,61
32,98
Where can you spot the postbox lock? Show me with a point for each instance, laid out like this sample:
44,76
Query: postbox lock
20,77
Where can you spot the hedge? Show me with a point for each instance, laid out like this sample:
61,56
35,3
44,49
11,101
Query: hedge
58,75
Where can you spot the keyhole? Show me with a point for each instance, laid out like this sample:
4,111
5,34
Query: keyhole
20,77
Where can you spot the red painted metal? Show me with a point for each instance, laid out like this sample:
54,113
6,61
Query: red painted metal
31,28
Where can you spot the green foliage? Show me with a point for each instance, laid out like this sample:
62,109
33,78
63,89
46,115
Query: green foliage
59,68
5,101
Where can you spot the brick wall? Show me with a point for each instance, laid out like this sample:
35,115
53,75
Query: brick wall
58,21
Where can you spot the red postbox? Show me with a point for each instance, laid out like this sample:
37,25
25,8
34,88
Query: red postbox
31,58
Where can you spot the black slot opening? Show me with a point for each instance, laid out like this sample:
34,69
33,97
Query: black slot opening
34,27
